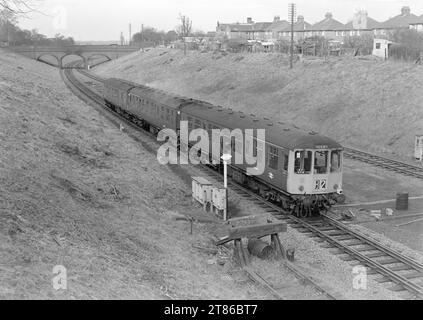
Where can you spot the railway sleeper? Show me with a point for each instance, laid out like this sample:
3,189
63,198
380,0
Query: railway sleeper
385,279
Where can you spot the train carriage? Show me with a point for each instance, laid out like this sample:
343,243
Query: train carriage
301,167
303,170
158,109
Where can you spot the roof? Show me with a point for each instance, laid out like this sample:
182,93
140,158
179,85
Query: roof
299,26
159,96
279,134
237,27
278,26
418,20
261,26
371,24
119,84
400,21
327,24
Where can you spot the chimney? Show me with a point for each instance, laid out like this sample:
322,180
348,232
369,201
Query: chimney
328,15
405,10
249,20
276,19
300,19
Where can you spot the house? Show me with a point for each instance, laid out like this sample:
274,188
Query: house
401,21
249,31
361,24
302,30
329,28
381,48
272,32
235,30
260,29
417,24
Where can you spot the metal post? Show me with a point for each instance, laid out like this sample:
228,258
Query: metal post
226,158
292,13
142,37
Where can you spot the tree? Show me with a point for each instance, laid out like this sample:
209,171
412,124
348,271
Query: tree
18,7
149,34
185,28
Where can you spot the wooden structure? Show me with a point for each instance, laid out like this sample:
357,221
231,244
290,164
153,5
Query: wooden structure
255,232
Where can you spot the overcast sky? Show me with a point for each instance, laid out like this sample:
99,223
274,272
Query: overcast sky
105,19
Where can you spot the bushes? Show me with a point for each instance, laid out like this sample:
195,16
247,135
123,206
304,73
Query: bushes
408,44
403,52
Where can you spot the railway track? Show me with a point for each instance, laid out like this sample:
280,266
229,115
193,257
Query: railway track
392,267
91,97
352,246
385,163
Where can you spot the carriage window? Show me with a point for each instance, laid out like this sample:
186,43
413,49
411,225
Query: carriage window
189,123
335,163
273,158
303,162
285,162
321,162
197,124
254,148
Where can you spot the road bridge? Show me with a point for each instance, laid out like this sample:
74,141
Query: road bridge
86,52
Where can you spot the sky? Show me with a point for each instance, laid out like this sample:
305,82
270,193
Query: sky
100,20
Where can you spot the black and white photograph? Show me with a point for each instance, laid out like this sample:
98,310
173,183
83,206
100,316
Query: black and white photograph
221,152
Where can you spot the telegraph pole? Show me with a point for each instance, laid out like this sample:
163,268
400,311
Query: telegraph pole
142,37
292,12
130,34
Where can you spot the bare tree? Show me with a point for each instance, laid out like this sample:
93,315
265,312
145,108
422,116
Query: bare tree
19,7
185,28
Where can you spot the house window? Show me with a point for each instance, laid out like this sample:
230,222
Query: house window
273,158
377,45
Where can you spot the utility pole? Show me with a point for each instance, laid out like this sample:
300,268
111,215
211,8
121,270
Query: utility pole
292,12
130,34
142,37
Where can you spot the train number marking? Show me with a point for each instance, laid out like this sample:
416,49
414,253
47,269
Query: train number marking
321,185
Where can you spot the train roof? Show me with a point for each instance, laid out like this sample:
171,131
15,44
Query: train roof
159,96
277,133
119,84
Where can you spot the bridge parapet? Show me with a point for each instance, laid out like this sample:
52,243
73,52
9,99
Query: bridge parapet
84,51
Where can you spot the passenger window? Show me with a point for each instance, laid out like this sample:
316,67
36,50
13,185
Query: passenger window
273,158
303,162
335,163
254,147
189,123
197,124
321,162
285,162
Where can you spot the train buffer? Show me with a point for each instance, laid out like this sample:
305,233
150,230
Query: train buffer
259,231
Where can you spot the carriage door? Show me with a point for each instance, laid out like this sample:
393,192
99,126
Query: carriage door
321,171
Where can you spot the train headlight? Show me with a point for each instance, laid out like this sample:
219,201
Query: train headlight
301,188
338,189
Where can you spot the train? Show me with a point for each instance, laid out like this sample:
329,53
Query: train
303,171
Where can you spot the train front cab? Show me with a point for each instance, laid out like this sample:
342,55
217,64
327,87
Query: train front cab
316,172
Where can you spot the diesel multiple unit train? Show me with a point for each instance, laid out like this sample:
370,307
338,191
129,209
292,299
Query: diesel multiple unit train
303,171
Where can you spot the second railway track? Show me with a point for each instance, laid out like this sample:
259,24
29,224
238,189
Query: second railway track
396,166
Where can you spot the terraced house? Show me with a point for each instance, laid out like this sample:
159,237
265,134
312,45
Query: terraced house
329,27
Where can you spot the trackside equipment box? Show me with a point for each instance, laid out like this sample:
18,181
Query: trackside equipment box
201,190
